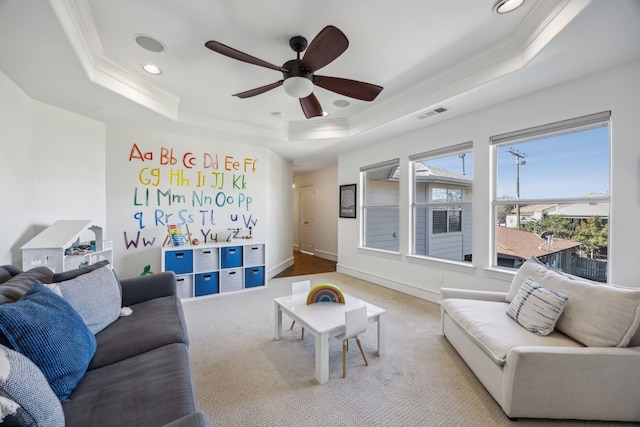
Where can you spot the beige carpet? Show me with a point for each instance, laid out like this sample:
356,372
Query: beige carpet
244,377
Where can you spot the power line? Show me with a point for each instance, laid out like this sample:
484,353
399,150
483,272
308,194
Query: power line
520,156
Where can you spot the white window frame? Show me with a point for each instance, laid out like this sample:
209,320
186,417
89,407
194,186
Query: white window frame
577,124
367,207
437,205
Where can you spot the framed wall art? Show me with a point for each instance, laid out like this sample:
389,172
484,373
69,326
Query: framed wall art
348,201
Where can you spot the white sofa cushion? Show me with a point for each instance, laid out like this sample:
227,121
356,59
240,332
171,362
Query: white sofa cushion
536,308
597,315
541,274
488,325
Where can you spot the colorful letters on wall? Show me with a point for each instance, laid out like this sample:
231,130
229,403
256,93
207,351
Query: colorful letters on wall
208,193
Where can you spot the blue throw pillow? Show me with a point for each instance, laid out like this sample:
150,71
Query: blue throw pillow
45,328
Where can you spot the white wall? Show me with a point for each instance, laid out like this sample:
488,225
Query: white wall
616,89
325,219
16,189
160,178
58,165
52,166
279,214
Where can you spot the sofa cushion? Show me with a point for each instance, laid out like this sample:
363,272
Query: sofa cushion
22,383
486,324
96,296
596,314
46,329
150,389
540,273
72,274
13,289
536,308
152,324
7,272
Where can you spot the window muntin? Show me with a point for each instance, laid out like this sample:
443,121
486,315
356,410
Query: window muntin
441,208
381,207
551,198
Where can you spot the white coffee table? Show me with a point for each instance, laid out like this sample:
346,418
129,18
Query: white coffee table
325,320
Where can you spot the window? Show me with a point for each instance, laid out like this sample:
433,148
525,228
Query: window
441,209
380,211
551,198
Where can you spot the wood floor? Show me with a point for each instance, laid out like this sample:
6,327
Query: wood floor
308,264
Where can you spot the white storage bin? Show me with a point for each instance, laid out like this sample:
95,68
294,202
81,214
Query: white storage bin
253,255
185,286
205,260
231,279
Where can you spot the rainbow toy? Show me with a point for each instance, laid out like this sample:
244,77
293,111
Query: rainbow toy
325,292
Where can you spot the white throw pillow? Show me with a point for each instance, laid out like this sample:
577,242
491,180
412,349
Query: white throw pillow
96,296
536,308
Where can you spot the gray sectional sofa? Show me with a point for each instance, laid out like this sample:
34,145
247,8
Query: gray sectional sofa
133,366
581,363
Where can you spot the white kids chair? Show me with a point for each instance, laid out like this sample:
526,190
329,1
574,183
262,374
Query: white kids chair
355,323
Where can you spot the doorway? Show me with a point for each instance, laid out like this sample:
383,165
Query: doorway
305,225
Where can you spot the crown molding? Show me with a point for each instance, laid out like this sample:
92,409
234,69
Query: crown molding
543,22
78,25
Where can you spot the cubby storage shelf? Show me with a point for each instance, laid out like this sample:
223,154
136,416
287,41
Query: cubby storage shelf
215,268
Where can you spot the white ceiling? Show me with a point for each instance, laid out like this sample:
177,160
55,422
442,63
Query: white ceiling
81,55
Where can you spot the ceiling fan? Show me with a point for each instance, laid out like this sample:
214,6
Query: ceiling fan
299,74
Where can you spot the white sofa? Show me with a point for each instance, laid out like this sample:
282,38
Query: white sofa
588,368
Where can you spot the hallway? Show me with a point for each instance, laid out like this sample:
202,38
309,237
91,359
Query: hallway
304,263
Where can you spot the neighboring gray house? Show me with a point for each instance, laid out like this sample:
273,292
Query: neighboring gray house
443,227
442,213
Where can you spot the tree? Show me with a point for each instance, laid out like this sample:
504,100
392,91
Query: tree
593,234
558,225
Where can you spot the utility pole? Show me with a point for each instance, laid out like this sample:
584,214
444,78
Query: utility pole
519,161
461,155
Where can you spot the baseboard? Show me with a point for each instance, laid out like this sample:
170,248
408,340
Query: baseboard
326,255
387,282
280,268
319,253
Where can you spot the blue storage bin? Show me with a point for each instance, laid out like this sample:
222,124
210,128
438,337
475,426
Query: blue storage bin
206,284
253,276
231,256
179,262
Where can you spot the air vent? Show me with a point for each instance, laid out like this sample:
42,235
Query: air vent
431,113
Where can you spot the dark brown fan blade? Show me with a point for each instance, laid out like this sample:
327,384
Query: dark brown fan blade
240,56
351,88
324,48
311,106
258,90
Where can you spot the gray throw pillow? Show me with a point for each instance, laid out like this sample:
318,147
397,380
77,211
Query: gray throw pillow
15,288
24,385
96,296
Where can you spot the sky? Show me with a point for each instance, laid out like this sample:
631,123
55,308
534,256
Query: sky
578,160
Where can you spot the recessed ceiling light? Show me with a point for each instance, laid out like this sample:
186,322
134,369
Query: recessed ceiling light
506,6
149,43
151,69
325,114
341,103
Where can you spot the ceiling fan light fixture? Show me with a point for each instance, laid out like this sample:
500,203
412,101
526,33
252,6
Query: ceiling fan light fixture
298,87
506,6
